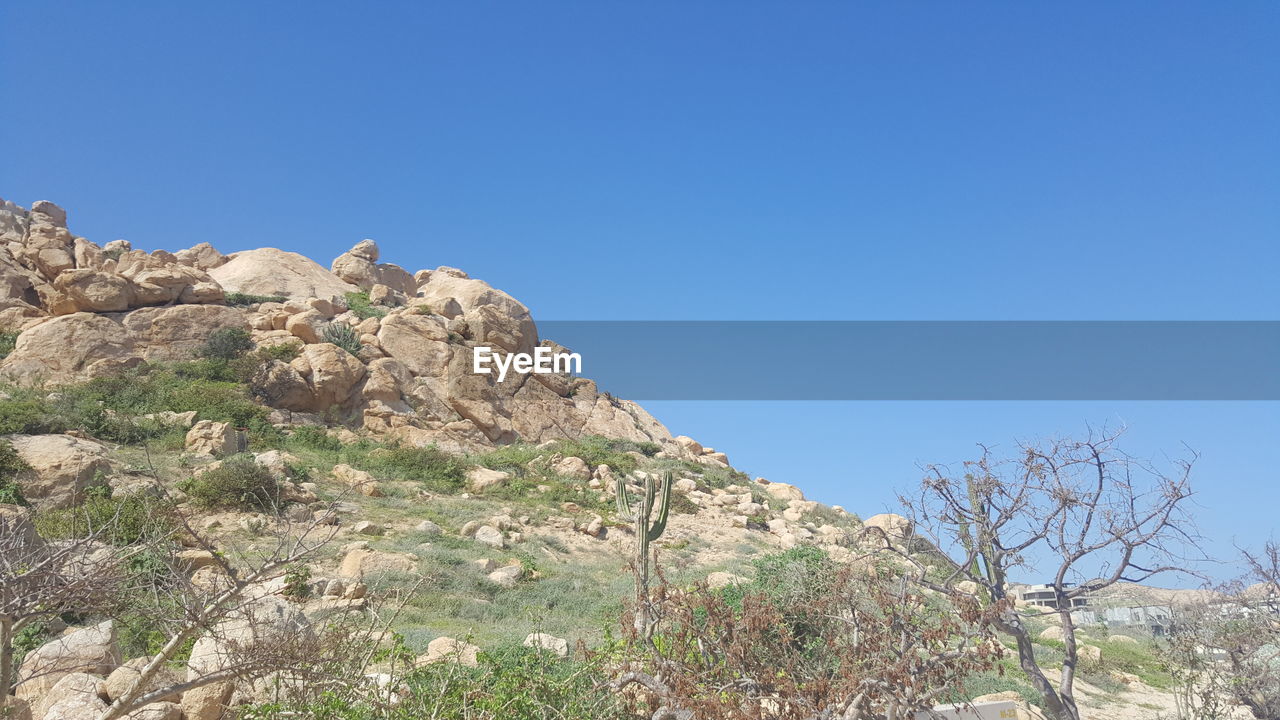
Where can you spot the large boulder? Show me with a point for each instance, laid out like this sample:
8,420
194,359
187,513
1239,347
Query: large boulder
76,696
88,650
67,348
218,439
359,266
202,256
894,526
361,562
491,316
60,468
447,649
331,372
550,643
269,271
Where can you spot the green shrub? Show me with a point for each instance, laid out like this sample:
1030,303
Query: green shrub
297,582
238,483
8,339
314,438
10,465
237,299
434,468
284,352
342,335
358,303
226,344
122,521
510,458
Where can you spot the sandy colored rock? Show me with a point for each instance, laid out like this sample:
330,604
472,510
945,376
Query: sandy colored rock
61,467
331,372
364,562
542,641
447,649
894,526
480,479
269,271
217,439
359,267
87,650
203,256
573,467
507,576
73,697
359,480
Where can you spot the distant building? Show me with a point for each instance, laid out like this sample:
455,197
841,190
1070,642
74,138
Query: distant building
1044,596
1155,619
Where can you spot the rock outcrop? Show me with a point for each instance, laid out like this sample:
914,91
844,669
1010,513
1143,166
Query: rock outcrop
268,271
88,650
60,468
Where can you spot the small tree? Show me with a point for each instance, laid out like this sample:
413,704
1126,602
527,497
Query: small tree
810,640
1229,648
1094,514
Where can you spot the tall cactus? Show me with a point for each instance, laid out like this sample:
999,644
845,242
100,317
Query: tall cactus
647,529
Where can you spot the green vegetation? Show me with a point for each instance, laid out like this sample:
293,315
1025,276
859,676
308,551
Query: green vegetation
238,483
10,465
8,339
344,336
118,521
237,299
226,344
358,303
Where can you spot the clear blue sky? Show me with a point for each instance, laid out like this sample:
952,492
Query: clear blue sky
676,160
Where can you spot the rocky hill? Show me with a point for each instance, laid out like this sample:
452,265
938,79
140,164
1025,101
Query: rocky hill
486,507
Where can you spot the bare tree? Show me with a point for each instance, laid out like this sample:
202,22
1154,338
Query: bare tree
816,642
1228,648
1094,515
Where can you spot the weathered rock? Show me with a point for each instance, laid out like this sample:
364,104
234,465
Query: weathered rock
91,290
356,267
14,708
66,348
359,480
157,711
493,317
894,526
491,536
447,649
783,491
363,562
123,677
202,256
269,271
61,467
480,479
87,650
331,372
542,641
217,439
307,326
365,527
75,696
572,467
1052,632
507,576
428,528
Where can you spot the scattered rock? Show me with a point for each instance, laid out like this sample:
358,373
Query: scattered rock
216,439
491,536
480,479
507,576
542,641
447,649
361,481
61,467
363,562
87,650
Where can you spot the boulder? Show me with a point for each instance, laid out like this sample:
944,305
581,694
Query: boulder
359,480
573,467
428,528
307,325
14,708
1091,654
783,491
419,342
491,536
492,317
331,372
123,677
157,711
1053,632
364,562
1122,640
88,650
542,641
269,271
894,526
91,290
216,439
447,649
506,576
359,266
74,697
480,479
67,348
60,468
202,256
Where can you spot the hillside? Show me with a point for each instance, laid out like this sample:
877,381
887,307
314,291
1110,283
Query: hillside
484,509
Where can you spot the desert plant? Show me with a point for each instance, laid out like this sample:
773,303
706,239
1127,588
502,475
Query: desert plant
8,340
358,303
10,465
342,335
237,483
237,299
226,344
297,582
647,530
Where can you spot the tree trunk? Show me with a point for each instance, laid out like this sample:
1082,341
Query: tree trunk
6,658
1054,705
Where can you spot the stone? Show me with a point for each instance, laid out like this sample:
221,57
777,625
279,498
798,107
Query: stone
690,446
331,372
14,708
428,528
894,526
552,644
67,348
507,576
364,562
191,560
1052,632
88,650
217,439
684,485
480,479
307,326
60,468
120,679
1122,640
361,481
572,467
717,580
269,271
75,696
783,491
447,649
485,565
364,527
202,256
355,267
493,317
1091,654
491,536
157,711
91,290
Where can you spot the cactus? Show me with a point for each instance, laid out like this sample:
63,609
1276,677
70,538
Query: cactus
647,529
